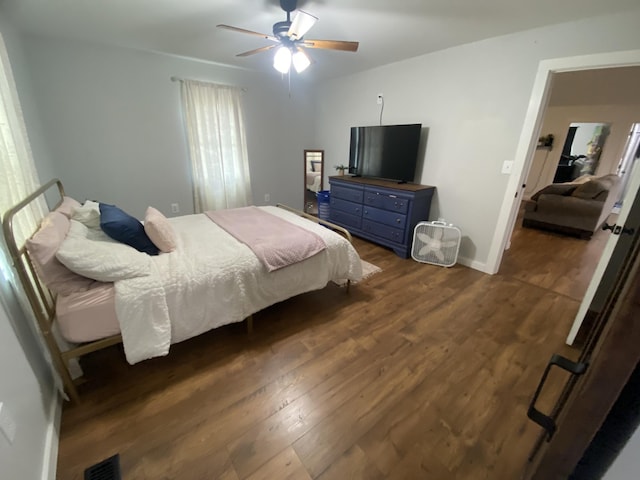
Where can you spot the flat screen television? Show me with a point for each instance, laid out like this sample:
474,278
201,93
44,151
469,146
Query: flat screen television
385,151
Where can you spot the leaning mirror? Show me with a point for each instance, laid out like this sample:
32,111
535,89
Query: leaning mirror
581,151
313,179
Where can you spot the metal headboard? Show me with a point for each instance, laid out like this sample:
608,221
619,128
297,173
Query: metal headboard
41,299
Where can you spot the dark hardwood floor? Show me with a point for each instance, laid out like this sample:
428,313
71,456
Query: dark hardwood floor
419,372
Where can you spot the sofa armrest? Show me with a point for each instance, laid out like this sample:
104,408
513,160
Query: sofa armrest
529,205
569,206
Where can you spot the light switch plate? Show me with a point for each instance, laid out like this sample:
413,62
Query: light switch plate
507,167
7,424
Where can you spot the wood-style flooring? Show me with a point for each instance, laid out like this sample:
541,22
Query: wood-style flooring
420,372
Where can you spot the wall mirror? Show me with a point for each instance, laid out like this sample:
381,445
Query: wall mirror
313,178
581,151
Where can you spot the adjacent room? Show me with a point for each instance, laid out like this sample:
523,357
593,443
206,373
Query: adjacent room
319,240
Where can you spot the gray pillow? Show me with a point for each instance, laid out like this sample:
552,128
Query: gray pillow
589,190
555,189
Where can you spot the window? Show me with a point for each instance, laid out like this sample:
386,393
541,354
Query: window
217,145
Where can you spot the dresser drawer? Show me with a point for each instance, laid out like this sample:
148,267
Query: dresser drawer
345,219
383,231
392,219
386,201
348,207
351,194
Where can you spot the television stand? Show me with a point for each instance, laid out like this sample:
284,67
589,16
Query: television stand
382,211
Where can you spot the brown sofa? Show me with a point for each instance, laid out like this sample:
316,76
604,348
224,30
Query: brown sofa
573,208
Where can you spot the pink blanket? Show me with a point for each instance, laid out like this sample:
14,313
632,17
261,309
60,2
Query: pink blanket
276,242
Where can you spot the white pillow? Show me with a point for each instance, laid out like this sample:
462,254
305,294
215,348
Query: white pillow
92,254
88,214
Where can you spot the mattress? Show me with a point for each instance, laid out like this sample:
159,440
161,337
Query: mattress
88,316
91,315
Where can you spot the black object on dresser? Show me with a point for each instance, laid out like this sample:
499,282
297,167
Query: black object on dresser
382,211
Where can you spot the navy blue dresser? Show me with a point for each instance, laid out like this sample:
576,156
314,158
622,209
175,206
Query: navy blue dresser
382,211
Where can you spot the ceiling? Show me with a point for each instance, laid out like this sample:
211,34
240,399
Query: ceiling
388,31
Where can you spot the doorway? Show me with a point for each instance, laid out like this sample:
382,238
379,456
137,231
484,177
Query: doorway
529,137
600,137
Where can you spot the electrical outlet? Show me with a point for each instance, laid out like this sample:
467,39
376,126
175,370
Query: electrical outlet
379,99
507,167
267,197
7,424
175,208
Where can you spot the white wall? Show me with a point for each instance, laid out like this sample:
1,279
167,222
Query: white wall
113,121
626,465
557,121
474,99
29,402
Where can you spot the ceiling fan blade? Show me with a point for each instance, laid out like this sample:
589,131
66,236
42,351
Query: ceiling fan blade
256,50
301,24
331,45
250,32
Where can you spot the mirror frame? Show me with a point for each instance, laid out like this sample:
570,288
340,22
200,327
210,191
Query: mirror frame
306,152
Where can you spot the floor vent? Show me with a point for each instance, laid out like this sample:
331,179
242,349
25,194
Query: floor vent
108,469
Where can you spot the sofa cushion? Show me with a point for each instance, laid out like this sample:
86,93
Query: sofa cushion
595,189
555,189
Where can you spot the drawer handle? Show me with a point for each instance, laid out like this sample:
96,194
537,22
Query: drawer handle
366,212
398,220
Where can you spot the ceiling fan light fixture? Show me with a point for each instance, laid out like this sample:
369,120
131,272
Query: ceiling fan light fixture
282,60
301,24
288,40
300,61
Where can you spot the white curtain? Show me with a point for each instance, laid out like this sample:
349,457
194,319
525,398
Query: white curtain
18,176
217,145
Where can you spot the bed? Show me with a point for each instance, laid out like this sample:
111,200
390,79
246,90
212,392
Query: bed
313,181
149,302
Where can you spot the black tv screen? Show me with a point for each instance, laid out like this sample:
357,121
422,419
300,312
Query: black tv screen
385,151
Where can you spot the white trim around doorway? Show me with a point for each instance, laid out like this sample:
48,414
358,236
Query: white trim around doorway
529,137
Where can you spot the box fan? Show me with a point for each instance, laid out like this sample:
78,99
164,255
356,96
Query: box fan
436,243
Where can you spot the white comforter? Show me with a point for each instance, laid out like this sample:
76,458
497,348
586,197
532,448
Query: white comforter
313,181
212,280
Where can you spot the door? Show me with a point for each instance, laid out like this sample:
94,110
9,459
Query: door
609,262
630,154
608,358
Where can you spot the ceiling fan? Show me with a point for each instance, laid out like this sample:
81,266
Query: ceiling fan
288,38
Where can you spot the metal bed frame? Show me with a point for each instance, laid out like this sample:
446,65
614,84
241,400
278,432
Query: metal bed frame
43,301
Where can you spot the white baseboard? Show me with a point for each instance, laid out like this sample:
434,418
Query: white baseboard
467,262
50,459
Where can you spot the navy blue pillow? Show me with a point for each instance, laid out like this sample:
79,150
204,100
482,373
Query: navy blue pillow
126,229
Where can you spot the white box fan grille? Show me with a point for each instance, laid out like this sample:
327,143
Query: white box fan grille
436,243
